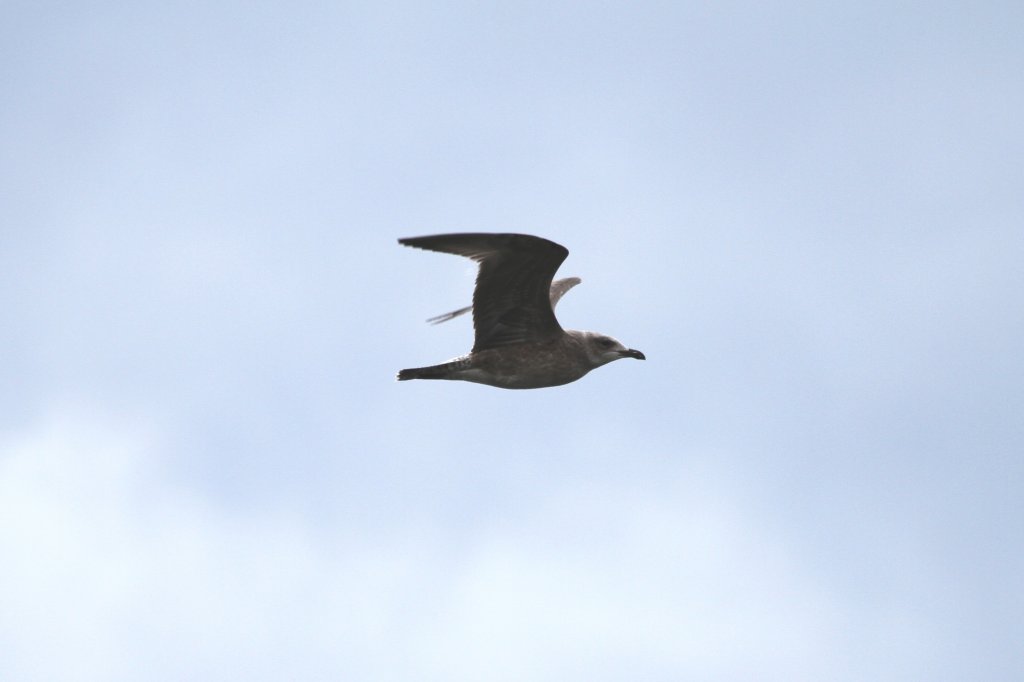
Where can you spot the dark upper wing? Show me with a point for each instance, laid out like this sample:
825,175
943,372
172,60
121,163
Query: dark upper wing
512,301
558,289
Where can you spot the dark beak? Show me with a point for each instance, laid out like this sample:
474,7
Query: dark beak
630,353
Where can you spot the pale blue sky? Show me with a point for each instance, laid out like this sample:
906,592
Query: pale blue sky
810,217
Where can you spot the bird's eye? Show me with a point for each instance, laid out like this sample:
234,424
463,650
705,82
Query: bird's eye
605,343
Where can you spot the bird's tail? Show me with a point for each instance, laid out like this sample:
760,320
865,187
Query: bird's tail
443,371
421,373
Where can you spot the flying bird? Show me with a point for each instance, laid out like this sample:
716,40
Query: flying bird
518,341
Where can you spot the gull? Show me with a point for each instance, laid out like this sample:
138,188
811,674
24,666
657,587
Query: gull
518,341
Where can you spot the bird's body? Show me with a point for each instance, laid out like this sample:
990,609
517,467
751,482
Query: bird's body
537,364
519,343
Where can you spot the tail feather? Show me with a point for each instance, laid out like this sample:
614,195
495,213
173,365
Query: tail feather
442,371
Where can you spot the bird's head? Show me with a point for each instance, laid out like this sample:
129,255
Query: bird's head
602,349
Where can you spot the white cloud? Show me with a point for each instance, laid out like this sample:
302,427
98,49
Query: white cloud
116,571
606,581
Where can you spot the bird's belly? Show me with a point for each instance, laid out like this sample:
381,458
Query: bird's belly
517,368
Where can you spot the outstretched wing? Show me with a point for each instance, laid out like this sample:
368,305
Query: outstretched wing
512,301
558,289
